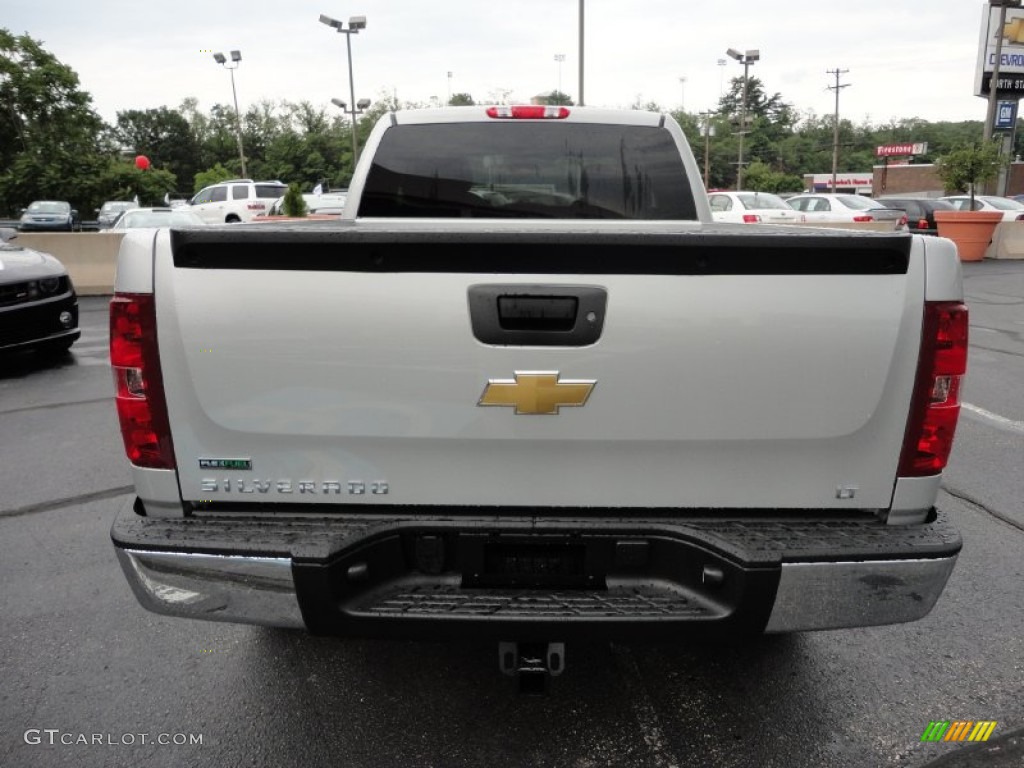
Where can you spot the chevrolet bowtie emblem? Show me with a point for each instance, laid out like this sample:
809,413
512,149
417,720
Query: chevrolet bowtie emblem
537,392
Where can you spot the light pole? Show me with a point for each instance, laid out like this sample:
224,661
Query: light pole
355,23
709,131
559,57
236,58
449,89
746,59
581,54
682,93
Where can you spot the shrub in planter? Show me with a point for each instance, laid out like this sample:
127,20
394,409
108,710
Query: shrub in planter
961,170
294,204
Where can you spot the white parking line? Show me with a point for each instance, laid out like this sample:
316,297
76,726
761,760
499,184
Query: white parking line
995,418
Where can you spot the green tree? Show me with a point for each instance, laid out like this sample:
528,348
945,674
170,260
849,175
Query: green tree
51,140
968,165
294,204
163,135
461,100
555,98
761,178
210,176
759,104
121,180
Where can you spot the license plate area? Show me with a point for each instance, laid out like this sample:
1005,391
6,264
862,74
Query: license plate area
541,562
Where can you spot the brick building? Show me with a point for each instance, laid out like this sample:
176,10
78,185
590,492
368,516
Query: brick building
919,180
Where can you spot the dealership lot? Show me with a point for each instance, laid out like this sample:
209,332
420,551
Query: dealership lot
81,658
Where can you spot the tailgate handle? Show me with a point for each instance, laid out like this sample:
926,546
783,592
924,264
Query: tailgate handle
537,315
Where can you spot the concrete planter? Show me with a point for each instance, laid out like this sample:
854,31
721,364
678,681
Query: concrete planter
970,230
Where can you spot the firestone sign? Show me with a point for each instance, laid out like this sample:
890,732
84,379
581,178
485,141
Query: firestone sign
901,150
1011,56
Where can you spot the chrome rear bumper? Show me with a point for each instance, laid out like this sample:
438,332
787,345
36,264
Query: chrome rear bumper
362,576
244,590
261,590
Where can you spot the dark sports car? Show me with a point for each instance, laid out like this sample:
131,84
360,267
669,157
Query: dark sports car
38,305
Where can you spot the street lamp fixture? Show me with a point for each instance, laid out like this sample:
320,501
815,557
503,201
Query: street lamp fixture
236,58
361,105
355,23
746,59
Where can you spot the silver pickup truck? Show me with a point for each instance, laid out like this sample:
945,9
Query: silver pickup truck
524,389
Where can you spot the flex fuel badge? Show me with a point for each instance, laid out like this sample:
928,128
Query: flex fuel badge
245,464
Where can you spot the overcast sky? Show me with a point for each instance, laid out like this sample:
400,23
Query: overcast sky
904,58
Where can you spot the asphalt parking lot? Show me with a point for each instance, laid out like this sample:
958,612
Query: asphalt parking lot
79,657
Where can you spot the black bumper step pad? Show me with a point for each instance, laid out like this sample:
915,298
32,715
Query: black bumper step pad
648,602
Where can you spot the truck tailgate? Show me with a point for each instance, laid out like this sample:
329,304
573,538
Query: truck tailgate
767,368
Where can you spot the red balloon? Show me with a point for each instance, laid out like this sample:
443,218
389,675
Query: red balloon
141,162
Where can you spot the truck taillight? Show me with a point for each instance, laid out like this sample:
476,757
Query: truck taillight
751,218
528,112
935,406
138,384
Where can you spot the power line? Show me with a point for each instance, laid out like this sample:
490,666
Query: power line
835,129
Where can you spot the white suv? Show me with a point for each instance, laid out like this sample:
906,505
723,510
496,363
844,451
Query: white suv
236,200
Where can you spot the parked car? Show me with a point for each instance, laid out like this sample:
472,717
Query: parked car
38,305
236,200
751,208
828,208
107,213
920,212
1011,209
49,216
325,203
138,218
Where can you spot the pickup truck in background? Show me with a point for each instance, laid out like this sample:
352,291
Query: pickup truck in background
526,390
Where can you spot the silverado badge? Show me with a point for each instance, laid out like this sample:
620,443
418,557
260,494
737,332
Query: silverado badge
537,392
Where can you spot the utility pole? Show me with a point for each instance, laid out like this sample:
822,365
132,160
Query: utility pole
835,127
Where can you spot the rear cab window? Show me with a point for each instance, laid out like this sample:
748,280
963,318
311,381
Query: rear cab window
270,191
528,170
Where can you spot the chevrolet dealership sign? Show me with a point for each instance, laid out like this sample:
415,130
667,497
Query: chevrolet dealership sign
1011,59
